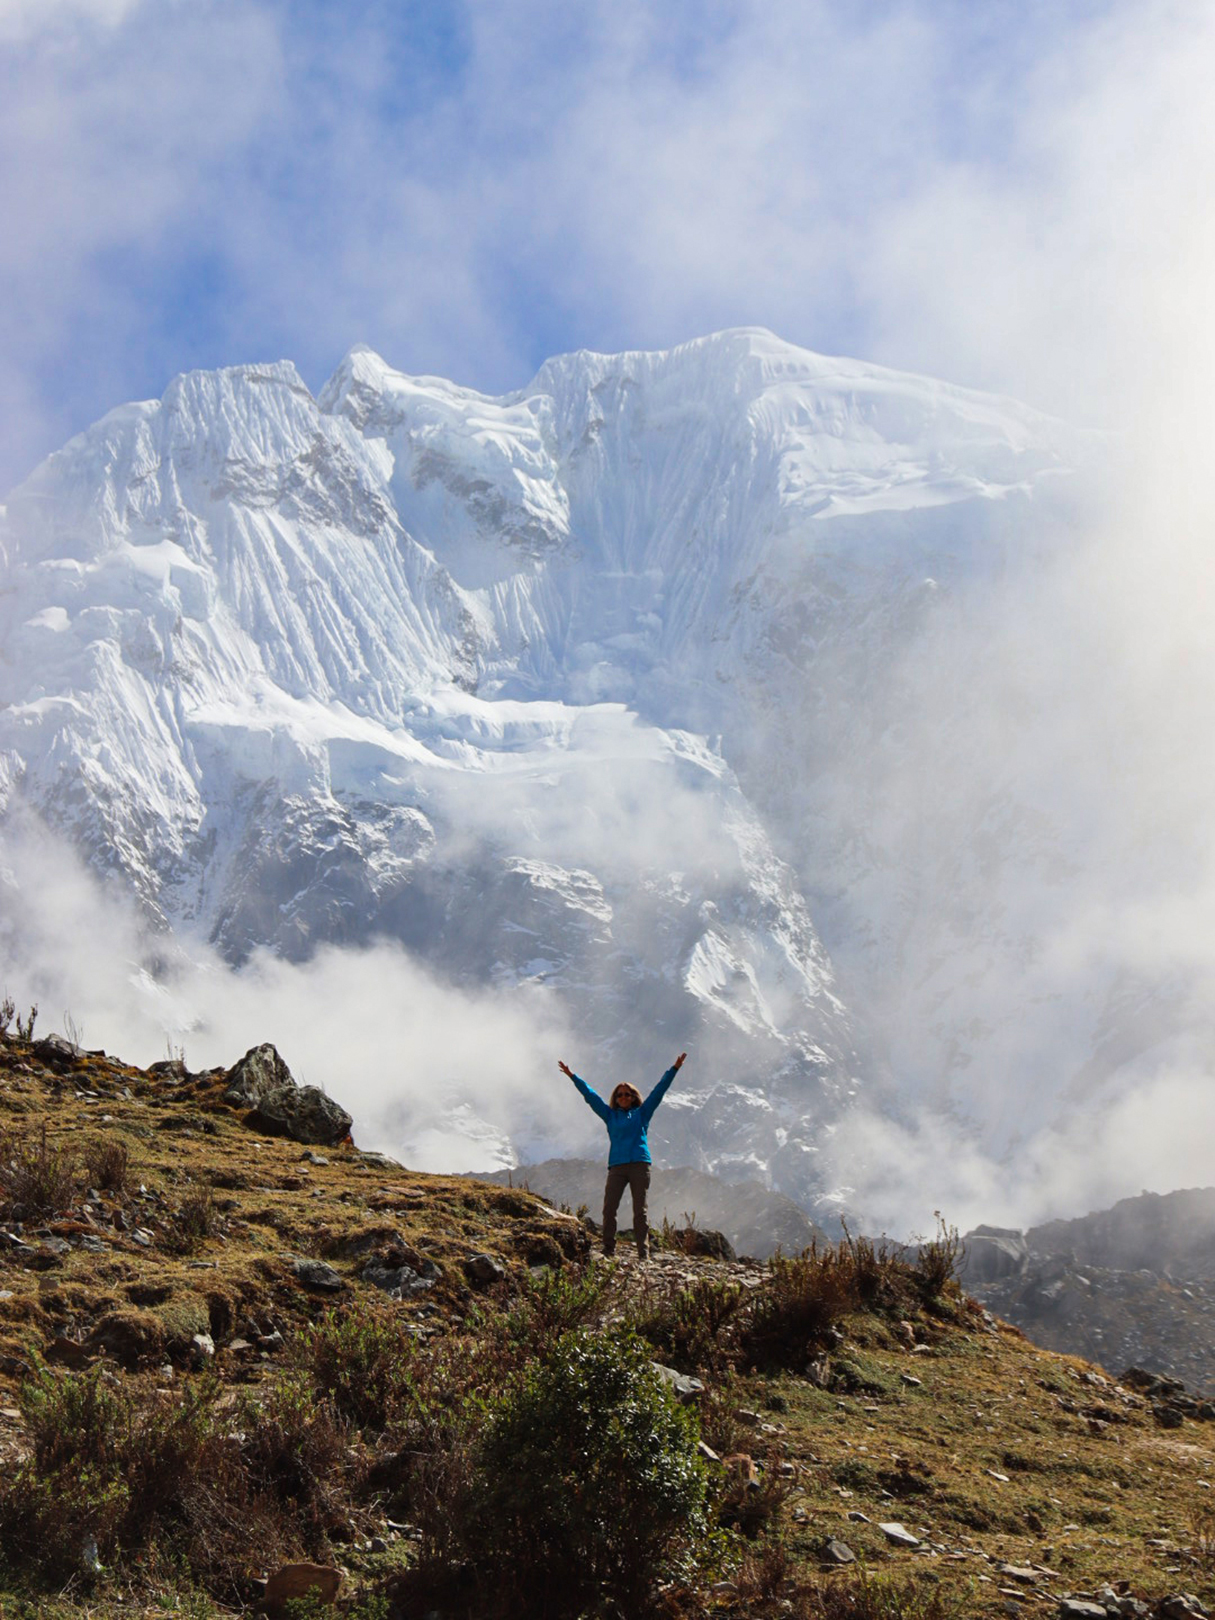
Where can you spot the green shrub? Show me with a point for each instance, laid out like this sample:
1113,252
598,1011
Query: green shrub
293,1450
118,1466
105,1466
587,1486
553,1304
805,1295
362,1359
692,1329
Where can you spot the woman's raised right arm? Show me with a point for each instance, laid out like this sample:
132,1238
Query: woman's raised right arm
592,1098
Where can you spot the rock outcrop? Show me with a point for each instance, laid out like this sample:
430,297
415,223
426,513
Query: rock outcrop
262,1083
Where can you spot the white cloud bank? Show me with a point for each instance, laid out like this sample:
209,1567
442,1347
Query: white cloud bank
24,19
439,1075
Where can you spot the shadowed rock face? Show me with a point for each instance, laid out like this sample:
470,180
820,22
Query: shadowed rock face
1130,1285
992,1252
1172,1232
263,1083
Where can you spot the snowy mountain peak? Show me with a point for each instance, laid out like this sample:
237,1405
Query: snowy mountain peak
539,686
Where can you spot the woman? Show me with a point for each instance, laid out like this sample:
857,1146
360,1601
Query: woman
629,1157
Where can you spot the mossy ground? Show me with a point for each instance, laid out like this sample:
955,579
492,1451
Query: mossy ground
998,1453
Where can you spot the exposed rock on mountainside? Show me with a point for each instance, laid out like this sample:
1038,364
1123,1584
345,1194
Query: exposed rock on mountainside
1129,1286
263,1083
1172,1233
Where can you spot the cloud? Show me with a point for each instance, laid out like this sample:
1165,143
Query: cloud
23,19
446,1077
988,195
1074,269
124,137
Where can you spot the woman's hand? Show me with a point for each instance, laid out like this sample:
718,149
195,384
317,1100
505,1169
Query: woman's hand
679,1060
565,1069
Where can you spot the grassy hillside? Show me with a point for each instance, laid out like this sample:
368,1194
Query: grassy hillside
203,1381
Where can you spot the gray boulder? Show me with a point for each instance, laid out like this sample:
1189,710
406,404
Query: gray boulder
262,1083
686,1389
483,1270
990,1253
393,1273
316,1274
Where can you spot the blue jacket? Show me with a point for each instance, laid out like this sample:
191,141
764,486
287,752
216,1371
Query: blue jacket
626,1127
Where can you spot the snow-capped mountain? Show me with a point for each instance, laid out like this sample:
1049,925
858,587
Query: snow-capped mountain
554,687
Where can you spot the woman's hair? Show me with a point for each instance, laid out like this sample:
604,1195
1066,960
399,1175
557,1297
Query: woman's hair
632,1097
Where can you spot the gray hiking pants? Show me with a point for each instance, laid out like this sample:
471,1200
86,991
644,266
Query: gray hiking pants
635,1176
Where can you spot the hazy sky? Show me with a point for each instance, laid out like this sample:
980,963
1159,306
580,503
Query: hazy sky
1013,194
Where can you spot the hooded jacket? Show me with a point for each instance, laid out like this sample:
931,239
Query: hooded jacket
626,1127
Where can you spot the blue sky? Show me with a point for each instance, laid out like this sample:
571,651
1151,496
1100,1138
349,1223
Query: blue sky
1004,194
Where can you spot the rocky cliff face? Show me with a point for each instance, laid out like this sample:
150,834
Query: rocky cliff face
1129,1286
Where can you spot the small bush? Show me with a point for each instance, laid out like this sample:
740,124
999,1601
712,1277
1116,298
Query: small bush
769,1584
805,1296
37,1179
764,1575
108,1164
362,1359
880,1597
692,1328
293,1450
117,1465
554,1304
587,1487
195,1218
720,1426
878,1274
937,1262
25,1027
7,1013
749,1500
105,1466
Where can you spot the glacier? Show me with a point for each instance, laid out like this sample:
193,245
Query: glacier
560,689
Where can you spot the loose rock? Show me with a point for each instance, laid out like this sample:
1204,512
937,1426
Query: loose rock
687,1390
483,1270
397,1280
316,1274
295,1581
899,1535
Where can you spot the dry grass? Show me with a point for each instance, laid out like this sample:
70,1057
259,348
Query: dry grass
107,1162
37,1175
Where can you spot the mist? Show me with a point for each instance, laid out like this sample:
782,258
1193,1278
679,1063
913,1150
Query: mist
443,1077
